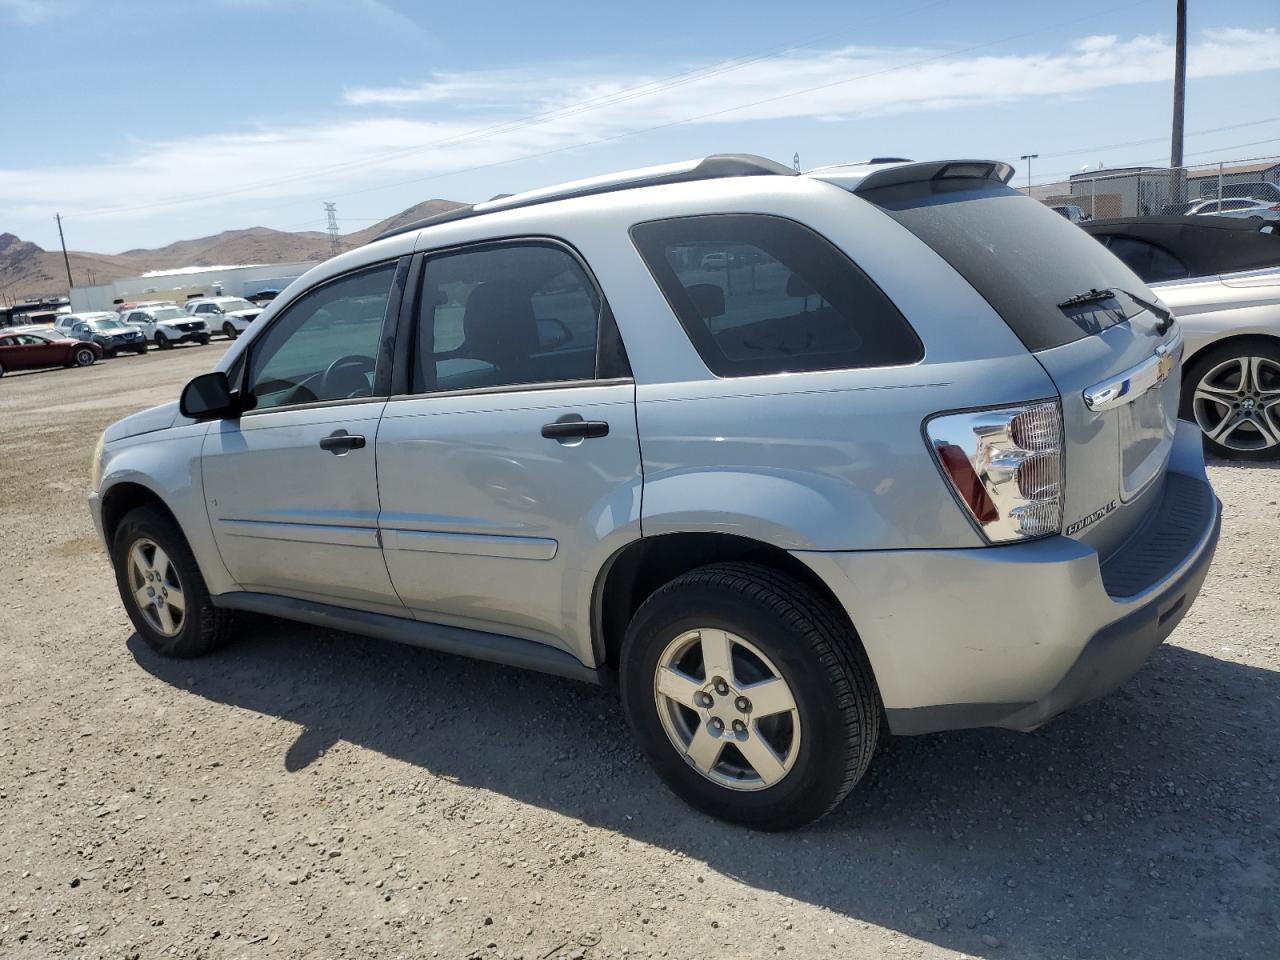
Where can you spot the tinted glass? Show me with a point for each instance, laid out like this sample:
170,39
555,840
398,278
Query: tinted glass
505,315
760,294
325,346
1148,261
1020,255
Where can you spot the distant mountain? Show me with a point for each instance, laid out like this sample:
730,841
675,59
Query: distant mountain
26,270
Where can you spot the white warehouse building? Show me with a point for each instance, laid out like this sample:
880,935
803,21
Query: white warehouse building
184,283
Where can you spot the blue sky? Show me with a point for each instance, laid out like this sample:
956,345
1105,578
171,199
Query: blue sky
147,122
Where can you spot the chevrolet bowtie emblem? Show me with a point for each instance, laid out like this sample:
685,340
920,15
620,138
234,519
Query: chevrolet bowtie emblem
1164,366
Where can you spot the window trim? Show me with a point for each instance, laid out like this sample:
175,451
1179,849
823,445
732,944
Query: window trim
407,323
243,363
695,338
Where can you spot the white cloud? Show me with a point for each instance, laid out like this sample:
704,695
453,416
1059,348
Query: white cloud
579,105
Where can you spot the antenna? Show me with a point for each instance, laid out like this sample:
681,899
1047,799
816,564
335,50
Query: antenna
335,241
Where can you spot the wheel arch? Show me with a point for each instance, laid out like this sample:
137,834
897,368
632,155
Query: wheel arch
1231,340
120,498
635,571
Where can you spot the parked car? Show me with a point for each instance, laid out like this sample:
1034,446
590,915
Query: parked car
168,325
112,335
1071,211
1221,277
1230,207
32,351
65,321
916,471
263,297
231,315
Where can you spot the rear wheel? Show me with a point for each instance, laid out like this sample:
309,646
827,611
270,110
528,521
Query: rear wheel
228,330
162,589
1233,395
750,695
83,357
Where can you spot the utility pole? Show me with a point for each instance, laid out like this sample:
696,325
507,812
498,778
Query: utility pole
65,259
335,241
1029,157
1179,85
795,162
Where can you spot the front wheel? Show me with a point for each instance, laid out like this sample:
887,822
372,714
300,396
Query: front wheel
162,341
1233,394
228,330
750,695
203,341
162,589
83,357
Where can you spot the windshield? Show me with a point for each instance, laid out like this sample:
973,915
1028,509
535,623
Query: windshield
1026,261
230,306
107,325
169,313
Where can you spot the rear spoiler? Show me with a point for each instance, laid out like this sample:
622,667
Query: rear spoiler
896,174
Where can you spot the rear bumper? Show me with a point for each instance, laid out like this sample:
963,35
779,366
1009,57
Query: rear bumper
1011,636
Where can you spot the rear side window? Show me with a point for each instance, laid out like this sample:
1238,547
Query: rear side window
1022,257
1148,261
760,294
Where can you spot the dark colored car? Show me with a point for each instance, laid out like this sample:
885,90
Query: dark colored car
113,336
31,351
1172,248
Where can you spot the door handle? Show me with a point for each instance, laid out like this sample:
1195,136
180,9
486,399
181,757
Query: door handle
340,442
573,427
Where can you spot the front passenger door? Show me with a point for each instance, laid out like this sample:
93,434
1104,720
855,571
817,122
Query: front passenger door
291,486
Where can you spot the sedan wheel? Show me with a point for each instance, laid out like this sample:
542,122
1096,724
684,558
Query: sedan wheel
84,357
1236,402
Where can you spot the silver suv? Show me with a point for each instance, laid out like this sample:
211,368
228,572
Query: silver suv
795,459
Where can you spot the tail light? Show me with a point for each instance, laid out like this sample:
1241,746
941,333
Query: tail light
1005,467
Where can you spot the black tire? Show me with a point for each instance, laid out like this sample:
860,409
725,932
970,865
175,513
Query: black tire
814,650
204,627
83,357
162,342
112,354
141,351
228,330
203,341
1267,348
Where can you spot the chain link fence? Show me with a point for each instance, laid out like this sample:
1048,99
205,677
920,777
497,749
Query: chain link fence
1169,191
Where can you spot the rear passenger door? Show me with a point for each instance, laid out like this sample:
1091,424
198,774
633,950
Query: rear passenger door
508,465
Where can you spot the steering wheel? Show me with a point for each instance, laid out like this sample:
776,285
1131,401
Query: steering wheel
348,378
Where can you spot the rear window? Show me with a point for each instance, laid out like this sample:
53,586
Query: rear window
760,294
1022,257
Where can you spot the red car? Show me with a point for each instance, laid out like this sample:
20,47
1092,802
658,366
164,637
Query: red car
30,351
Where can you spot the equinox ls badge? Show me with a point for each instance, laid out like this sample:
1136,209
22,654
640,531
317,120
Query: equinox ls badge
1091,518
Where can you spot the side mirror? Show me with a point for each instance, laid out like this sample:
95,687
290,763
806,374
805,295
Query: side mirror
210,397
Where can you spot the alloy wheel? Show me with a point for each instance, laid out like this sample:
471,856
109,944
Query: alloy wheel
84,357
726,709
156,587
1237,404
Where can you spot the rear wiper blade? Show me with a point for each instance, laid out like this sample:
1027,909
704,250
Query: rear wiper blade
1165,314
1089,296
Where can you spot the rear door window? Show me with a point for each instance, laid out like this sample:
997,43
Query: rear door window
761,294
1022,257
1148,261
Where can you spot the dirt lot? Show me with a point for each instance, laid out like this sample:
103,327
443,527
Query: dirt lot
318,795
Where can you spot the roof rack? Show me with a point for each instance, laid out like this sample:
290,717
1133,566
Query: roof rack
715,167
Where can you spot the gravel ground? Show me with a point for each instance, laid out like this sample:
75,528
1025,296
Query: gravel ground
310,794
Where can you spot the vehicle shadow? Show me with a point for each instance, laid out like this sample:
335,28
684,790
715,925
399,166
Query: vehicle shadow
1145,825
